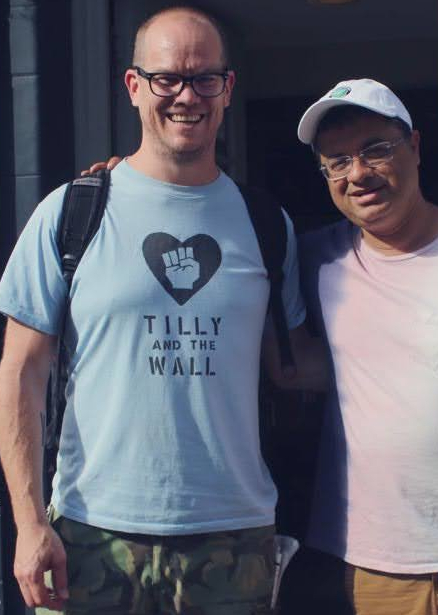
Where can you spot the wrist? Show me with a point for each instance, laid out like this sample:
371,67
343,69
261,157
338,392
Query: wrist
30,517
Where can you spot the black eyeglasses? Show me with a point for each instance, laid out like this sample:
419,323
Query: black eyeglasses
372,156
206,85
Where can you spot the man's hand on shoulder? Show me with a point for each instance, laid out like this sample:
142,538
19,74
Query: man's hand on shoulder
39,549
98,166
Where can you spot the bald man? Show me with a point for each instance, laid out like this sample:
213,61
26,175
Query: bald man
161,502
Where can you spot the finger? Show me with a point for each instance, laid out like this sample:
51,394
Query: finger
173,257
26,593
55,603
39,591
59,577
94,167
97,166
113,162
166,259
181,253
189,253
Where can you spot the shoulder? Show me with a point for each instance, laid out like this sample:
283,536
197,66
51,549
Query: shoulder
326,243
321,250
52,203
45,218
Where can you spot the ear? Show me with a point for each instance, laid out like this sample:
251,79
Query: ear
131,82
231,80
415,144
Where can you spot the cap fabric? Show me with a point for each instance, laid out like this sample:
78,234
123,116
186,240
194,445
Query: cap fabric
365,93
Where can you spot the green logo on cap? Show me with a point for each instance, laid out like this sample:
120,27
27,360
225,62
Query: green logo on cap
340,92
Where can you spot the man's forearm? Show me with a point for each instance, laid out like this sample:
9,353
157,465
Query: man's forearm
22,399
311,369
24,373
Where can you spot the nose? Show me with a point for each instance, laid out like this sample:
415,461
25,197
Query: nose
358,170
187,95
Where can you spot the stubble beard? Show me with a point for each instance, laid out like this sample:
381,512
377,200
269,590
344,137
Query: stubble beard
179,155
184,157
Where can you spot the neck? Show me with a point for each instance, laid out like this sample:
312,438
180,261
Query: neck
416,231
197,170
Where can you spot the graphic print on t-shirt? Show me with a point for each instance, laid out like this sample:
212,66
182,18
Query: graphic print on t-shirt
182,267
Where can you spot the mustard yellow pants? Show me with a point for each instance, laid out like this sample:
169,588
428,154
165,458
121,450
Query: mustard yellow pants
379,593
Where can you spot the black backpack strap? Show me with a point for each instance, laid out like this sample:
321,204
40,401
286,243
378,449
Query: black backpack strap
270,228
82,211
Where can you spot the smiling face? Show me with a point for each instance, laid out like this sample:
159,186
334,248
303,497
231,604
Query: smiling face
381,200
182,128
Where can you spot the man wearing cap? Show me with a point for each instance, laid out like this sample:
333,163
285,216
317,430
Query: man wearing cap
371,283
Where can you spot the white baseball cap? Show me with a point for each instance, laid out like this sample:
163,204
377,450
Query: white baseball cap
365,93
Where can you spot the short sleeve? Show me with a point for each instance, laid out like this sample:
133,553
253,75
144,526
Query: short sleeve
32,289
293,302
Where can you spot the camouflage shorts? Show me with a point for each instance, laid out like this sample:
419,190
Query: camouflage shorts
221,573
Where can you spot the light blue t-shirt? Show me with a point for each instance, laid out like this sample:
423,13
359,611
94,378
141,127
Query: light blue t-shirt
168,303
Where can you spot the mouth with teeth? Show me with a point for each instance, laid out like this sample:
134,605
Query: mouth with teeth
180,118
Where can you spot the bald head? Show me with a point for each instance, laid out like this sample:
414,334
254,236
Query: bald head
180,13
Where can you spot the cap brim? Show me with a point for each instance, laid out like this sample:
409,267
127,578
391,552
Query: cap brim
311,118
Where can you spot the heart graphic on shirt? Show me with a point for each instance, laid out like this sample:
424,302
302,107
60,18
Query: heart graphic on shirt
182,267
